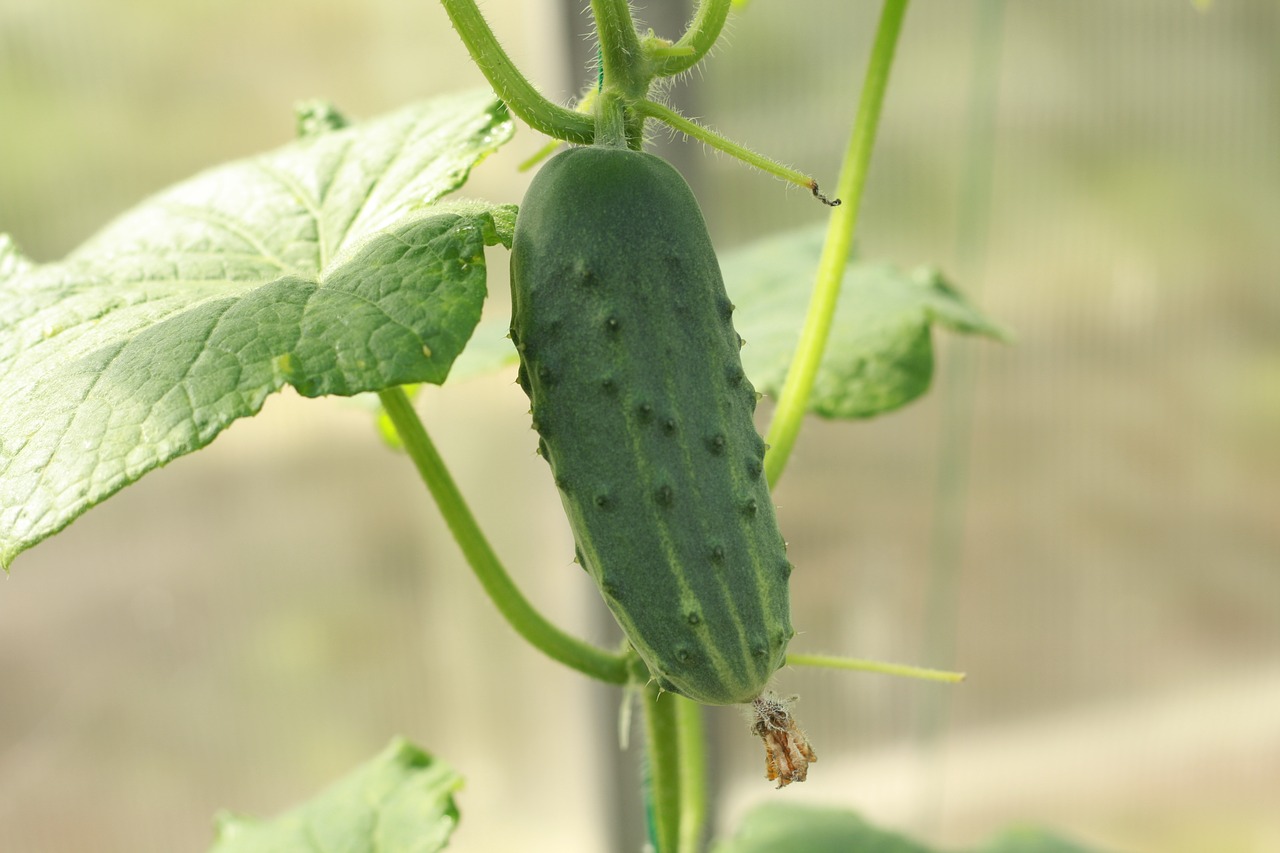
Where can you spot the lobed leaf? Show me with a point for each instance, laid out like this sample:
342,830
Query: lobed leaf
399,802
329,265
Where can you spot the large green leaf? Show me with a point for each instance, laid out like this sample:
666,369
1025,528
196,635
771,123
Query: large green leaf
329,265
880,353
786,826
400,802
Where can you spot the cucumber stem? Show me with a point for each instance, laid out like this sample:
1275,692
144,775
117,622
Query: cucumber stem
880,667
703,31
794,399
626,67
493,576
662,744
508,83
692,747
611,121
654,110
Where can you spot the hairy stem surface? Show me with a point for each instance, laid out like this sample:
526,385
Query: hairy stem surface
508,83
704,30
626,68
673,119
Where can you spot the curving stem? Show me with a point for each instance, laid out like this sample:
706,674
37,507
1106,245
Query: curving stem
704,30
515,608
508,83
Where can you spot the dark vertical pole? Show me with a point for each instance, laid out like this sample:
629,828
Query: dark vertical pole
622,799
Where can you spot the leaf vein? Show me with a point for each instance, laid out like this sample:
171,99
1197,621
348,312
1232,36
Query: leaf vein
300,193
228,224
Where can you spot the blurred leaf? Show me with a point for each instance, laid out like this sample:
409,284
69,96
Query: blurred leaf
880,353
328,265
780,826
783,826
400,802
488,351
12,261
1032,840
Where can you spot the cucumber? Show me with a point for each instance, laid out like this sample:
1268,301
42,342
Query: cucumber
631,363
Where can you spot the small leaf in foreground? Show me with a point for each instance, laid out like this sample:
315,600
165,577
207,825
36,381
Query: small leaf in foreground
400,802
880,353
330,265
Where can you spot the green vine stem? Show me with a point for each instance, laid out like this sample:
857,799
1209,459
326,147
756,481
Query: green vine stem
652,109
629,66
693,774
508,83
611,122
794,400
880,667
704,30
515,608
626,69
662,744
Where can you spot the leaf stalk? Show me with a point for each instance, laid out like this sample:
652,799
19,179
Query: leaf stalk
880,667
508,83
493,576
703,31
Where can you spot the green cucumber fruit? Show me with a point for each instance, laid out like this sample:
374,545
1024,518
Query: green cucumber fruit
631,363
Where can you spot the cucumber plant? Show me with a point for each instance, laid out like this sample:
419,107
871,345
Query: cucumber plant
184,314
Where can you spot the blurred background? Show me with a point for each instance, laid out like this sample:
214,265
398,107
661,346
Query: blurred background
1087,521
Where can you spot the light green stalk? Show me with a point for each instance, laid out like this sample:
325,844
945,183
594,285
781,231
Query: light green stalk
511,603
662,742
794,400
508,83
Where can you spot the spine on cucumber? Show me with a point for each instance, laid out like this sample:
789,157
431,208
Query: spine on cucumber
630,360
